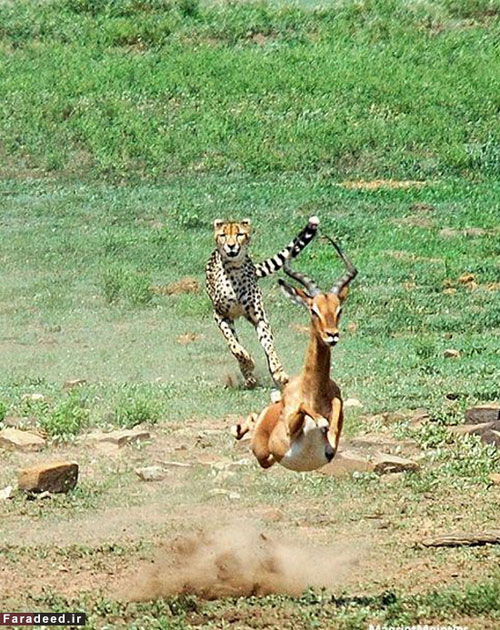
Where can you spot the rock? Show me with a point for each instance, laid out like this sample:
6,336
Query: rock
119,438
150,473
374,443
495,479
471,429
19,422
17,440
77,382
352,402
483,413
55,477
234,496
451,353
386,463
419,418
6,493
34,397
490,436
348,461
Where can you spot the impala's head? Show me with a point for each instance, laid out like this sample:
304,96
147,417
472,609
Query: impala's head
325,307
232,238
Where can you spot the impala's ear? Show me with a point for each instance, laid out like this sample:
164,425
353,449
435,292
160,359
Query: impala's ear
296,295
218,223
343,294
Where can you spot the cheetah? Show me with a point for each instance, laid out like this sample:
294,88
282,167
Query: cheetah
231,281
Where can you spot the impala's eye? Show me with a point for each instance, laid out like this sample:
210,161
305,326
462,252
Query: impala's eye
339,313
314,310
324,430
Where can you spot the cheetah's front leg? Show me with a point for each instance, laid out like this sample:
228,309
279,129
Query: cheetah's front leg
246,362
265,335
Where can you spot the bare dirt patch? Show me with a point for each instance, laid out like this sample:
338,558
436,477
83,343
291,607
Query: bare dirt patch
376,184
184,285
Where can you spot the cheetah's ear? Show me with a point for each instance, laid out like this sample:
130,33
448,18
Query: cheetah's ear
218,223
246,222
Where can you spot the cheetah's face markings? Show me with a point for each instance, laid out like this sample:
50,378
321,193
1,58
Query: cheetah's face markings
232,238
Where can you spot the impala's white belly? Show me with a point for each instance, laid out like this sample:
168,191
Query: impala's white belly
308,451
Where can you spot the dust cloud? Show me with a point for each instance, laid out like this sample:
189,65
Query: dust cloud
239,560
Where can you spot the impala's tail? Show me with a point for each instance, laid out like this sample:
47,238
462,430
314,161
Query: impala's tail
293,249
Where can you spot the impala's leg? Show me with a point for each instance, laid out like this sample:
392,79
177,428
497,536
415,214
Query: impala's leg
239,430
295,421
258,318
265,425
336,421
260,447
246,362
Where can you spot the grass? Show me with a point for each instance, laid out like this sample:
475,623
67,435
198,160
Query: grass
126,128
313,610
156,88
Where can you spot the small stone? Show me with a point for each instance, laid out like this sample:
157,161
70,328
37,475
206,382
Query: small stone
352,402
6,493
55,477
119,438
34,397
451,353
17,440
392,478
216,492
171,464
150,473
44,495
234,496
495,479
77,382
385,463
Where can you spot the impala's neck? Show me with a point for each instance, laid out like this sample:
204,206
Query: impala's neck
316,371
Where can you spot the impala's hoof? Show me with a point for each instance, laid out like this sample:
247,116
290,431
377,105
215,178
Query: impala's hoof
276,396
236,431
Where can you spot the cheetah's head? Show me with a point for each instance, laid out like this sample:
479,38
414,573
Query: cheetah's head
232,238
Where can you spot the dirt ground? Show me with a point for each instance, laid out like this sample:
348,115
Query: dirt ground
129,539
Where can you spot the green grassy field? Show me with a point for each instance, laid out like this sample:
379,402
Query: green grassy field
126,128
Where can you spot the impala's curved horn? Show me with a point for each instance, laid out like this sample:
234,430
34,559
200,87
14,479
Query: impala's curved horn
304,280
351,273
